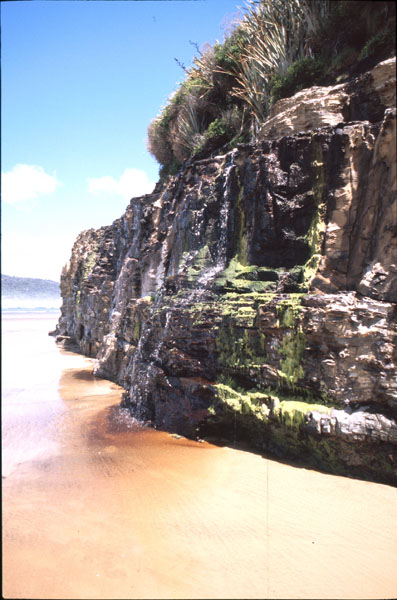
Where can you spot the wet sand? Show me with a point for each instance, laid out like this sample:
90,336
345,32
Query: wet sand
95,506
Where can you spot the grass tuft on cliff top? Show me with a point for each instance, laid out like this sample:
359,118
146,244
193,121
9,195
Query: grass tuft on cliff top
277,48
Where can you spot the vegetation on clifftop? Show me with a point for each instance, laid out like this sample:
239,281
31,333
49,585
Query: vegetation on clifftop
277,48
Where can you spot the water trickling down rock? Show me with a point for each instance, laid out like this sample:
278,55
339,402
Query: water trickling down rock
253,295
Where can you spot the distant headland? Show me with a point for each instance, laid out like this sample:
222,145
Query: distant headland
22,287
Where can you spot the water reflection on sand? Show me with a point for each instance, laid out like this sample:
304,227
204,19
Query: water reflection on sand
96,506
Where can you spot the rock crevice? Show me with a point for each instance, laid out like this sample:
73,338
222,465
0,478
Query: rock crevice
253,295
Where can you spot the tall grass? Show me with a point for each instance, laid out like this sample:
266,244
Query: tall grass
276,34
276,48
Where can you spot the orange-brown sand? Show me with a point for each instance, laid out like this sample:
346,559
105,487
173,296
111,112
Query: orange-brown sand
112,510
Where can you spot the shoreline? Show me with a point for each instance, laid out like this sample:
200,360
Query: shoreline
111,509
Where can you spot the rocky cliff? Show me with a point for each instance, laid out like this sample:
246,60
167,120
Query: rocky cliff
253,295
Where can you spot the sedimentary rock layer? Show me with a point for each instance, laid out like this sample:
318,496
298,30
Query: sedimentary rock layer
253,296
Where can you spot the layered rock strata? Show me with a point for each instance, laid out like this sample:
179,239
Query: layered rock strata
365,97
253,296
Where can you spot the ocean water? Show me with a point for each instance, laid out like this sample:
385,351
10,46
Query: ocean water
32,304
97,506
31,368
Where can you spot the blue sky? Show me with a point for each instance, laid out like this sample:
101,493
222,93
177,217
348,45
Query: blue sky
81,81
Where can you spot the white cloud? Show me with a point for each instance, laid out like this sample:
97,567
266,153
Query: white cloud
26,182
132,183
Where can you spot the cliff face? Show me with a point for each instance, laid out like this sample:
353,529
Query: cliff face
253,295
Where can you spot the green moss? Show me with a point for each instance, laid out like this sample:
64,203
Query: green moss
243,316
234,268
200,317
246,286
280,395
240,310
240,347
239,343
203,260
292,348
278,420
324,454
285,442
89,263
242,403
245,279
315,235
293,342
289,309
310,269
292,413
137,330
254,297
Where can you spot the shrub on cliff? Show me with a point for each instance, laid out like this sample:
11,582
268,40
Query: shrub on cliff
301,74
226,92
192,120
276,49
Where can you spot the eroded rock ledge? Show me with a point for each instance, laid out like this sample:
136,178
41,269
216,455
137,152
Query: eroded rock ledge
254,295
364,98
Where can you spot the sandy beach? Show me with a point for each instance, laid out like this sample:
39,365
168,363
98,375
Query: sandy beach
96,506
